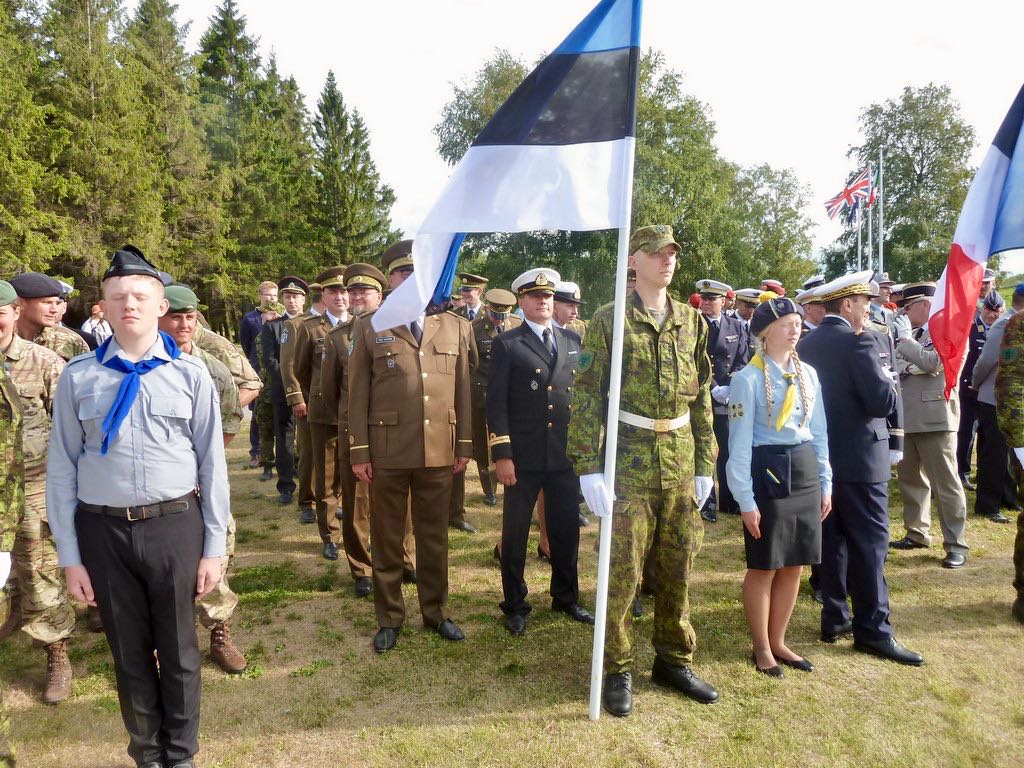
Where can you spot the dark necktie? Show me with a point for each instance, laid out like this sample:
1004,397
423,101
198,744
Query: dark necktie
548,341
919,333
471,314
414,329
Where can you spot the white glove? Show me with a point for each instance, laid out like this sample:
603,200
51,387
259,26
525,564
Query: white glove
596,494
5,567
901,327
702,487
895,457
1019,453
721,393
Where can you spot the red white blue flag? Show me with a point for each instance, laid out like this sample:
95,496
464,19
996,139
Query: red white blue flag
856,190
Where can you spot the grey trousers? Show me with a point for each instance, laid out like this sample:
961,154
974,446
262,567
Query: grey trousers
929,467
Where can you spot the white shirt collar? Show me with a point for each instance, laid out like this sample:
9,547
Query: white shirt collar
538,329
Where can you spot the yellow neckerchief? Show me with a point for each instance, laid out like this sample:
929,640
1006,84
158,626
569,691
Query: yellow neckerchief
789,401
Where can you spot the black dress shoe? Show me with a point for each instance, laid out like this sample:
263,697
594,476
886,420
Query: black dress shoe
151,765
684,681
997,517
819,598
638,608
906,543
182,764
709,515
462,525
833,636
541,555
891,650
449,630
330,550
1018,609
497,553
363,586
515,623
618,694
775,671
584,520
802,664
575,612
284,499
491,500
409,576
268,474
954,560
385,639
307,516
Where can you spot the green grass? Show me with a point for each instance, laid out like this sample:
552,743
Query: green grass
316,694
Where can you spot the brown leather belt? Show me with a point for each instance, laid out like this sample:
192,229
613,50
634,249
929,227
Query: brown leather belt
145,512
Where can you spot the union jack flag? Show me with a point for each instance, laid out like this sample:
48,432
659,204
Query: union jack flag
857,189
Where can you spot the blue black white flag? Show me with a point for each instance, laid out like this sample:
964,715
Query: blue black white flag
556,155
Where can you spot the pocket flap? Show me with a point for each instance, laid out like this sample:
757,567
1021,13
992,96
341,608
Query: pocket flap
94,407
451,416
881,432
383,419
174,406
445,348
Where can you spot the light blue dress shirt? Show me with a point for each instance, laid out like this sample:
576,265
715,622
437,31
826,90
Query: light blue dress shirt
748,425
169,445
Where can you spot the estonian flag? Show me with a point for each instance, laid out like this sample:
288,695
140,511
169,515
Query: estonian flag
992,221
557,155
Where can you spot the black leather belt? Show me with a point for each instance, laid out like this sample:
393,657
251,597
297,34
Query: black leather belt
145,512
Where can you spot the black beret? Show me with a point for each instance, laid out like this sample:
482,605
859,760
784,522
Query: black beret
35,285
131,261
769,311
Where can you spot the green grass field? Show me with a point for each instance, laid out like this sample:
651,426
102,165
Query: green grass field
316,694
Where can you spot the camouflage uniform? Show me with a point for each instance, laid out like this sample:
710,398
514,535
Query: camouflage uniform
1009,392
666,374
47,613
577,326
63,341
12,507
241,369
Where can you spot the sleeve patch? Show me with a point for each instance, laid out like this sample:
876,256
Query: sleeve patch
586,360
1008,355
735,411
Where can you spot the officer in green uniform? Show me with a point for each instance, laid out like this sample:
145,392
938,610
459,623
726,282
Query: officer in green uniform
12,501
666,457
1009,392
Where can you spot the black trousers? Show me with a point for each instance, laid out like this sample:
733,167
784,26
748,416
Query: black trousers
254,431
561,507
854,546
284,446
144,576
968,426
996,487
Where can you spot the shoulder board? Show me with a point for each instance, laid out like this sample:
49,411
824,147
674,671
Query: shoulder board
90,355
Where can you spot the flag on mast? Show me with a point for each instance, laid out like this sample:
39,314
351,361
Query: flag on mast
991,221
856,189
552,157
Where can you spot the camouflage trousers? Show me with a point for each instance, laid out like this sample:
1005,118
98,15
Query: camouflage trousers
665,524
263,413
47,613
220,603
6,748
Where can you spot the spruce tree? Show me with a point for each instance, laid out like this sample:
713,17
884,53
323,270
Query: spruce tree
353,207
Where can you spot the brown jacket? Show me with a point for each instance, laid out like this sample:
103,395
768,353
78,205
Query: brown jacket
409,404
294,394
334,374
310,337
484,334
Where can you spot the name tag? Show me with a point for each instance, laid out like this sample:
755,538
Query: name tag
731,338
384,340
573,351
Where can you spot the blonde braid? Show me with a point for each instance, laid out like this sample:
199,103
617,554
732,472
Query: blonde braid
768,394
804,394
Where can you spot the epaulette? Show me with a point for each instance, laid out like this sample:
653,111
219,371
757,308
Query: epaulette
79,358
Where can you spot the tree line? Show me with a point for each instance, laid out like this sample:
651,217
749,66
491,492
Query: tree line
210,161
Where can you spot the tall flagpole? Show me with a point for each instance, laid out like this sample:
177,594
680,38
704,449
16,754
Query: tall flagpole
860,247
611,440
871,235
881,209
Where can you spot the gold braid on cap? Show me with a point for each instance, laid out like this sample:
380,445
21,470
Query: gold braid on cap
764,296
857,289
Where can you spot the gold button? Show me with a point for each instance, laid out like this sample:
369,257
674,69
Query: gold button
573,371
549,388
425,398
423,375
426,421
537,371
421,353
550,425
551,407
381,423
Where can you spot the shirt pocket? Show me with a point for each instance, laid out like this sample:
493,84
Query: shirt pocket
389,360
444,356
170,415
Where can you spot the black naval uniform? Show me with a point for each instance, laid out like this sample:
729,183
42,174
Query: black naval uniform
529,390
859,397
730,350
271,337
969,398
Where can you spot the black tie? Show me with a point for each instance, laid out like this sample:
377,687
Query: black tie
417,334
548,341
919,333
471,314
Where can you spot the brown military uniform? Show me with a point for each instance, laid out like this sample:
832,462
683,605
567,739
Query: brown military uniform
457,501
409,416
294,394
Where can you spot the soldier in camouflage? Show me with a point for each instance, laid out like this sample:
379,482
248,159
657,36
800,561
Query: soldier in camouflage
245,376
40,299
47,614
665,459
216,607
12,499
1009,392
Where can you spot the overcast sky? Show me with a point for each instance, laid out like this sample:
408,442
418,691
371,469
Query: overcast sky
784,81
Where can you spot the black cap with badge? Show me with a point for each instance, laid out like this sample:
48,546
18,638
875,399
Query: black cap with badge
131,261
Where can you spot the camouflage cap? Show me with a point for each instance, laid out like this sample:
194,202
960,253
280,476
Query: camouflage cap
361,273
7,293
181,298
331,277
653,238
271,306
397,256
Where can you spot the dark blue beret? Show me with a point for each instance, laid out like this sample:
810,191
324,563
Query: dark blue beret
35,285
130,261
767,312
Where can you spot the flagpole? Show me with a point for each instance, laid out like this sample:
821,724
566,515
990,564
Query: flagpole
871,235
881,209
860,247
611,440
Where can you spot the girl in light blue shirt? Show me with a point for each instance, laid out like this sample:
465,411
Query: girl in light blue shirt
778,471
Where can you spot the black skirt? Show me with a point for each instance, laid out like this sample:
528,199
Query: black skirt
790,527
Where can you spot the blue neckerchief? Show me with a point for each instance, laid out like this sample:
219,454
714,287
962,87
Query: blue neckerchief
130,384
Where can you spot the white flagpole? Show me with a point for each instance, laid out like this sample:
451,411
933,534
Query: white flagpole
881,209
611,441
871,236
860,248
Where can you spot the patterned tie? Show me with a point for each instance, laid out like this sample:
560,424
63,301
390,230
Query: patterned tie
548,341
471,314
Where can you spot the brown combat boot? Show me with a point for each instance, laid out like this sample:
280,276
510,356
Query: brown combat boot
224,652
58,673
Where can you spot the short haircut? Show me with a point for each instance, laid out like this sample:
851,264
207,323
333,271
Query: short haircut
835,306
156,281
266,284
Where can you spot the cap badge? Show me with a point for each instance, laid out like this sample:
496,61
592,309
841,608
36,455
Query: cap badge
542,279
